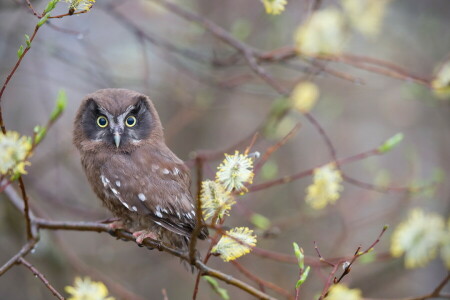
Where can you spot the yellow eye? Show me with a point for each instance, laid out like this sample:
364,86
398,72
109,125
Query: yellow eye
131,121
102,121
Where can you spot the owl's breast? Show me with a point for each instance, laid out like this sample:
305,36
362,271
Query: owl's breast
102,186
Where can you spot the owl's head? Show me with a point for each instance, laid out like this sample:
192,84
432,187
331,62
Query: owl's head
118,119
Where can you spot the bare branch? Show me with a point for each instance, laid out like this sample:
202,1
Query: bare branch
41,277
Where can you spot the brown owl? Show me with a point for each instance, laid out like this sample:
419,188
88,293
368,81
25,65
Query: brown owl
130,168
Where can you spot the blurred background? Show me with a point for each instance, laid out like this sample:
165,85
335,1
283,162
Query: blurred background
206,106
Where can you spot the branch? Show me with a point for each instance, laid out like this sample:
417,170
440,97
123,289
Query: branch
126,236
26,209
13,260
231,280
262,282
11,74
348,264
41,277
198,212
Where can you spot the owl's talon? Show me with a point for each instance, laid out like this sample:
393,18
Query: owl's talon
116,225
142,235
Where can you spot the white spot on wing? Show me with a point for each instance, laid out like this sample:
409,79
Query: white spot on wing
158,214
175,171
134,208
114,191
118,183
142,197
124,204
105,180
165,171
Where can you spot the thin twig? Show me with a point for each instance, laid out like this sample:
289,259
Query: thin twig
331,277
198,211
11,74
276,146
13,260
41,277
26,209
261,281
436,293
289,178
231,280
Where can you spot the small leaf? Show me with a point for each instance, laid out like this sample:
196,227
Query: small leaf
390,143
303,277
61,103
20,52
40,132
27,40
43,20
50,6
223,293
299,254
260,221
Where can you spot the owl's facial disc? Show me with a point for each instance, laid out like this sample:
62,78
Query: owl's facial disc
121,129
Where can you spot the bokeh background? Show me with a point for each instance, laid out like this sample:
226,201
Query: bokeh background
206,106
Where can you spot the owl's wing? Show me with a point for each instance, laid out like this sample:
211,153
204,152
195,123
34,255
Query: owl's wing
155,186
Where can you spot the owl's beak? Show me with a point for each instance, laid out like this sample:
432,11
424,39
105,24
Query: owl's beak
117,138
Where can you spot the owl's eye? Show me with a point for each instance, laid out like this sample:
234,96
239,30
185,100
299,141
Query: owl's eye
131,121
102,121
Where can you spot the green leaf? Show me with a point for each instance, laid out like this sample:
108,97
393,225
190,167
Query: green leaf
260,221
27,40
303,277
20,52
223,293
40,133
50,6
390,143
61,103
43,20
299,254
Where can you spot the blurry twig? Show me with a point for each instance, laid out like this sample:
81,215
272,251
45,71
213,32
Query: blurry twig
11,74
276,146
164,293
262,282
370,64
332,279
436,293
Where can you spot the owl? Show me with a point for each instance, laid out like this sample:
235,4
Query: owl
128,165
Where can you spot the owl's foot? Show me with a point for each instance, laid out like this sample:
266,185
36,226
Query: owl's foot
116,225
143,234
